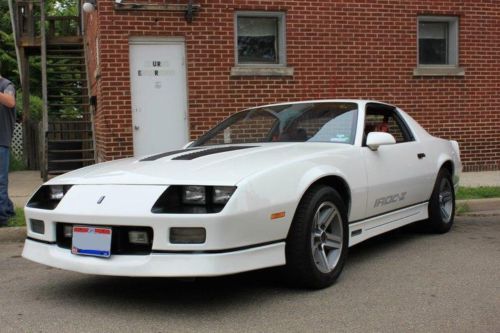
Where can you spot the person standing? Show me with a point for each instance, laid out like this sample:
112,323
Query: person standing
7,123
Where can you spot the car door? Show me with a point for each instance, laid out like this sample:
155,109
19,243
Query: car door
396,173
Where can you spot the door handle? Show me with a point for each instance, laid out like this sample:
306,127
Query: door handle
420,156
136,128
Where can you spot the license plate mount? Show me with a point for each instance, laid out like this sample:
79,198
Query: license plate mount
91,241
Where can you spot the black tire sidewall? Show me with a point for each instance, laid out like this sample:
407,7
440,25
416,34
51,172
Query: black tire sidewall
299,245
436,222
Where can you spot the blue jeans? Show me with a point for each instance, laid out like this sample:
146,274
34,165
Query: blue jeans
6,206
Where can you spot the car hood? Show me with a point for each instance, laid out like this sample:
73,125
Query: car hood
214,165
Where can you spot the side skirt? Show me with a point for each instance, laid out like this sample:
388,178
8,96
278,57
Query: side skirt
361,231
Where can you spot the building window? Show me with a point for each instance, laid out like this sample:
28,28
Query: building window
260,38
438,46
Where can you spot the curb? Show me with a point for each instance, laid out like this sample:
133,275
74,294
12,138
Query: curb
481,207
12,234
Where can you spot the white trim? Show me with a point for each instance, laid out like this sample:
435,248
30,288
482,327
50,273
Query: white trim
380,224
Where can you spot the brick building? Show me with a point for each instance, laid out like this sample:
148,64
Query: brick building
160,78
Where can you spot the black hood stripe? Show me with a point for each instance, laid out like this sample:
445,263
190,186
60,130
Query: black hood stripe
173,152
211,151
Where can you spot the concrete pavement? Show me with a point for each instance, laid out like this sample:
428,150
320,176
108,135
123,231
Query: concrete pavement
483,178
403,281
22,184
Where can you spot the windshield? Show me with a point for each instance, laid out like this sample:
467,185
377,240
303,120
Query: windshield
311,122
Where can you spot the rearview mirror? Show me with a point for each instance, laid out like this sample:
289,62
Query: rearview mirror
377,139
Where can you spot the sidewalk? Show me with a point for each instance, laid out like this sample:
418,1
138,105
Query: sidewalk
485,178
22,184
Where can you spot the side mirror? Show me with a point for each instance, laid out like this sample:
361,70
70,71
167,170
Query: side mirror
187,145
377,139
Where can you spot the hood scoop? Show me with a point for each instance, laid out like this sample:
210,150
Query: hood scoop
169,153
211,151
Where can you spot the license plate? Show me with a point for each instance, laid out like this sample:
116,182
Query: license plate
91,241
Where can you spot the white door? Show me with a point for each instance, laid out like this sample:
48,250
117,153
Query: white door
159,96
397,177
398,174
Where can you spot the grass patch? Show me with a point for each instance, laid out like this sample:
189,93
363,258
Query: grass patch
482,192
15,164
462,208
18,220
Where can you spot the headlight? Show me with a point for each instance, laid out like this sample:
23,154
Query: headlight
194,195
48,196
56,192
193,199
222,194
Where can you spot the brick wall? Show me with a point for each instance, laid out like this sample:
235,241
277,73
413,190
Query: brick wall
338,48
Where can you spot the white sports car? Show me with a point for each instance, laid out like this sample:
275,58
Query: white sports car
290,185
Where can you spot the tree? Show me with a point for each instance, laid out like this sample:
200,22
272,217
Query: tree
7,47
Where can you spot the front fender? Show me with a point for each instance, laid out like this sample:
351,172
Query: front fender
283,187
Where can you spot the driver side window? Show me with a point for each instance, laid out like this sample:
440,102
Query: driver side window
385,119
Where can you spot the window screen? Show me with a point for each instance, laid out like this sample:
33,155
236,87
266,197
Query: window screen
258,40
433,43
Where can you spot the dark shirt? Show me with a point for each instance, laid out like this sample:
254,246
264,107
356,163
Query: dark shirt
7,115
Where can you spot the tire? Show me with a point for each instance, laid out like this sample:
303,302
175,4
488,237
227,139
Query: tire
442,204
315,257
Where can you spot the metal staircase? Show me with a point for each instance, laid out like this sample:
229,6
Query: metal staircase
69,137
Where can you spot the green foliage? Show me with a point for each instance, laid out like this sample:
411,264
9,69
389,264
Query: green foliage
15,164
36,106
62,7
7,47
18,220
481,192
462,208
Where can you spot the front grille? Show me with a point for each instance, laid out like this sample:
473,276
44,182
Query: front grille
119,240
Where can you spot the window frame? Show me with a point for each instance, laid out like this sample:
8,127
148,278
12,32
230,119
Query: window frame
281,16
453,45
393,112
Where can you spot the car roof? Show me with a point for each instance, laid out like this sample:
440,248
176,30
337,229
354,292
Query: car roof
357,101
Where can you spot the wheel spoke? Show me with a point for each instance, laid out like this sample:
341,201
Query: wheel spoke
447,197
327,218
444,212
326,236
333,241
323,260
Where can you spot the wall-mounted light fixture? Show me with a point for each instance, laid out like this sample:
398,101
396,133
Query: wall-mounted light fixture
89,6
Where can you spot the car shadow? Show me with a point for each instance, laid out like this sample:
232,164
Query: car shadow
184,296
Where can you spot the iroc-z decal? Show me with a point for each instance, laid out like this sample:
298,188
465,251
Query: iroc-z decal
390,199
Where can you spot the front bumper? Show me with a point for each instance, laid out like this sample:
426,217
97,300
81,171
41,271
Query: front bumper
159,264
240,238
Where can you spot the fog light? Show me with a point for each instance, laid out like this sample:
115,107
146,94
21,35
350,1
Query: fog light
37,226
138,237
68,231
188,235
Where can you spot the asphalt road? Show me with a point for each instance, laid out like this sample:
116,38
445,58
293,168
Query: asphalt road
401,282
